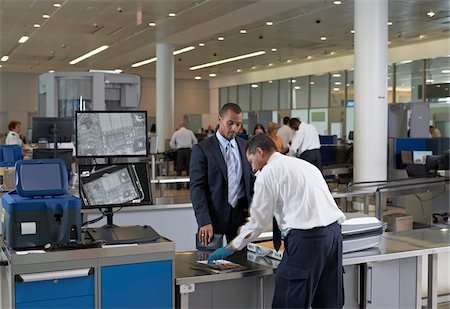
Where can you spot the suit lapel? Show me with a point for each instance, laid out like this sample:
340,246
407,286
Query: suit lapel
217,153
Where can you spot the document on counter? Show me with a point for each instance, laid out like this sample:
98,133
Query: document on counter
218,267
29,252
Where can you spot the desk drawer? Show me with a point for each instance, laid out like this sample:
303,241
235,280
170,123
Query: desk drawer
53,285
82,302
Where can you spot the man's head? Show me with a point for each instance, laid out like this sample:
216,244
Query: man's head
286,120
14,125
182,125
258,149
294,123
431,129
230,120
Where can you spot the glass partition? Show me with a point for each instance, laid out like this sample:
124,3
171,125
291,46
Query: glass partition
319,118
300,92
285,93
244,97
319,87
337,89
269,95
223,96
255,96
232,94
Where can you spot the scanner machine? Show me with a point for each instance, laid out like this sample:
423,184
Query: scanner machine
40,211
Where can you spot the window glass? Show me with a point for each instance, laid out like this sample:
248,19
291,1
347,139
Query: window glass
232,94
390,83
407,80
300,92
337,89
269,95
319,118
350,85
285,94
223,96
437,73
255,94
244,97
301,114
319,86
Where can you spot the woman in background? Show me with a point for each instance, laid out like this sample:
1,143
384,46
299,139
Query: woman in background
272,132
259,129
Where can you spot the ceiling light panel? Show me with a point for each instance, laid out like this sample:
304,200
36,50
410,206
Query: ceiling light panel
89,54
210,64
23,39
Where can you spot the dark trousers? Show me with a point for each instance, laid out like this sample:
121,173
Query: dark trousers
183,157
310,273
238,216
313,156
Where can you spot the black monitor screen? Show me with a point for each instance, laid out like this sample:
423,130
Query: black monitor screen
61,153
111,134
46,129
104,185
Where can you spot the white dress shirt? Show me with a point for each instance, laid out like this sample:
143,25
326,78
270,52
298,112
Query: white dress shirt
305,138
13,138
286,134
183,138
295,192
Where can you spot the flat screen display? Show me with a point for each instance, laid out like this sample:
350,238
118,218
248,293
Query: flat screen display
111,134
47,129
104,185
420,157
34,180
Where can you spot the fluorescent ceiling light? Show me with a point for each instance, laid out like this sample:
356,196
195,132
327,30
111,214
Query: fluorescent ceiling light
309,57
89,54
389,23
210,64
445,71
274,49
201,44
352,31
183,50
0,65
172,14
336,89
336,75
45,16
51,71
198,77
324,38
138,64
118,71
212,75
4,58
177,52
254,86
238,70
297,87
23,39
431,14
57,5
36,25
337,83
337,2
269,23
221,38
406,61
152,24
243,31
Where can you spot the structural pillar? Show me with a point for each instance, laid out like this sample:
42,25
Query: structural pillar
371,109
164,93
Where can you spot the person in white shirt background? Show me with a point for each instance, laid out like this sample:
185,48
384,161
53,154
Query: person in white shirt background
285,132
305,143
13,137
182,140
295,193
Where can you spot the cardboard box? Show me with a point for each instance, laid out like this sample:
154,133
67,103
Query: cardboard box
398,222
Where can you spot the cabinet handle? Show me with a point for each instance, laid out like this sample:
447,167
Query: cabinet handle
54,275
369,284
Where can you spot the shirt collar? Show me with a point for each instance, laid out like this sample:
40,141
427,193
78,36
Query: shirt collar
224,142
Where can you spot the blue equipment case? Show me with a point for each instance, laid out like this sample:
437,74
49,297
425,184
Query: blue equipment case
9,154
41,211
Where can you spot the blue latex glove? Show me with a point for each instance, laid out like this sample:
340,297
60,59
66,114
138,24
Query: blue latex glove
220,254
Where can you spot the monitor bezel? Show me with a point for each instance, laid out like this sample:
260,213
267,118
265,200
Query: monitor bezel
147,200
111,155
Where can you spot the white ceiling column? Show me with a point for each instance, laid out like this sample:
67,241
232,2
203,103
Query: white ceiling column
371,62
164,93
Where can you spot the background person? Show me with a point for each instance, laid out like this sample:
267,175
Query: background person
285,132
182,140
305,143
13,137
272,132
435,132
221,178
259,129
296,194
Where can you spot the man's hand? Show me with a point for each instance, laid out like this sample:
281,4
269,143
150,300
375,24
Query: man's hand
205,234
220,254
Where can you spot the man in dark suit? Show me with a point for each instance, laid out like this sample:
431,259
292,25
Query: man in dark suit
220,205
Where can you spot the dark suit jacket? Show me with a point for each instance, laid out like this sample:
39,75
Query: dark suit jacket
209,185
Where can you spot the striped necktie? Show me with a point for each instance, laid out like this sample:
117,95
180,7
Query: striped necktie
233,183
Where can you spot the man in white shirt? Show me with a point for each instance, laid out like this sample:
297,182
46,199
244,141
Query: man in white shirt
182,140
305,143
13,137
285,132
295,193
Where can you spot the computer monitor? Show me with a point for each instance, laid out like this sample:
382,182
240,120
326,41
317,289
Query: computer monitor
61,153
111,134
420,156
112,186
47,129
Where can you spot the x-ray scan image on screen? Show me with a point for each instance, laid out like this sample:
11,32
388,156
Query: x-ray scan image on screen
106,134
109,185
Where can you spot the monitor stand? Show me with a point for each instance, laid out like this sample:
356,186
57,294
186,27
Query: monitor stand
113,235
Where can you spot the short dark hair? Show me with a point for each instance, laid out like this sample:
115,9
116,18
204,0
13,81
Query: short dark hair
230,106
293,122
262,141
12,124
286,120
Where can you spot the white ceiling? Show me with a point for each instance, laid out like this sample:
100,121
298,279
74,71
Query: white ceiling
79,26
